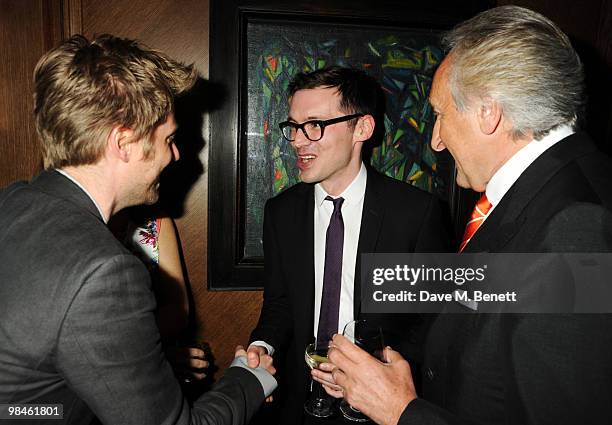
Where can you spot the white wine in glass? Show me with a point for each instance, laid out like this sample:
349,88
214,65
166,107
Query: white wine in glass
315,357
319,404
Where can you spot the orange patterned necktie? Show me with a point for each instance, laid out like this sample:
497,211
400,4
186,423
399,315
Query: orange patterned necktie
482,208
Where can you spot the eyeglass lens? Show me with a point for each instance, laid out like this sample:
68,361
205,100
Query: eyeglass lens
312,130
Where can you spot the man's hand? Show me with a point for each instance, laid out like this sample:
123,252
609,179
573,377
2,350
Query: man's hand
380,390
257,356
264,360
324,376
254,354
188,362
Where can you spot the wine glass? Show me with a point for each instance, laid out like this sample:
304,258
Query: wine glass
369,337
319,404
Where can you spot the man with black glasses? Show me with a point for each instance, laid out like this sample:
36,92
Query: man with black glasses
315,231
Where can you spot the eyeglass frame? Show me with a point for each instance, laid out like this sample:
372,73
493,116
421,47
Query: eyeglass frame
321,123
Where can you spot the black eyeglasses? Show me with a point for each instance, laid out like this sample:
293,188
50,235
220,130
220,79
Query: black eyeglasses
313,130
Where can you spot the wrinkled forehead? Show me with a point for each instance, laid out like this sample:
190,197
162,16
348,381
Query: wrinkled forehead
440,90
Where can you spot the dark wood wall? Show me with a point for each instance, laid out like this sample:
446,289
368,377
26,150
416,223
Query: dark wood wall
180,27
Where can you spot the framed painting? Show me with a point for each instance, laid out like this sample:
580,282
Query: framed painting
250,161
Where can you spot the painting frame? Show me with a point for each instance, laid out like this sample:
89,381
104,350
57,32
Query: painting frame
228,266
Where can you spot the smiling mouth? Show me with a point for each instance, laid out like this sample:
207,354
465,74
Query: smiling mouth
306,158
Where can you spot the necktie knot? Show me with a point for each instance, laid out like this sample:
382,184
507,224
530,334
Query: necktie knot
337,203
482,208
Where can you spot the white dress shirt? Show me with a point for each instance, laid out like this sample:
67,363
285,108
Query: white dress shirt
352,208
509,173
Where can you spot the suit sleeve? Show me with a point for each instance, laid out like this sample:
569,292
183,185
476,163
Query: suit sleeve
421,412
109,352
274,325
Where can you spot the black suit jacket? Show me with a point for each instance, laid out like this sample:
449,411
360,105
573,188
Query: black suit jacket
396,217
77,324
530,368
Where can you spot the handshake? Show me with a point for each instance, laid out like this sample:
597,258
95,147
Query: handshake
379,389
189,362
257,356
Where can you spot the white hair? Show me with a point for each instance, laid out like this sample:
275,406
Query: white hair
523,61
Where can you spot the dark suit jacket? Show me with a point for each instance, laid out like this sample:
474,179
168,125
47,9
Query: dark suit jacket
530,368
396,217
77,324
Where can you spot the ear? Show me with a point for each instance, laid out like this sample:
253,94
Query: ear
364,128
120,143
489,115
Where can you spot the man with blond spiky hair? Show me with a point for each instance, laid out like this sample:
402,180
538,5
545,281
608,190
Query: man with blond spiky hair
77,324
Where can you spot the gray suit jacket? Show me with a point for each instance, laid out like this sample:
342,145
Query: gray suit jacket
77,324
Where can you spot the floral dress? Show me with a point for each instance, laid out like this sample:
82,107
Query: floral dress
143,240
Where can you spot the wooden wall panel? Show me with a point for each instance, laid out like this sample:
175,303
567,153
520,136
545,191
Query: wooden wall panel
180,28
27,30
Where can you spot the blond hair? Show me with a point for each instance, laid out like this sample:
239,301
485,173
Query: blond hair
522,60
84,89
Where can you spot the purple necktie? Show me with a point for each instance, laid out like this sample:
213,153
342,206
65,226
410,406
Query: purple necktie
332,275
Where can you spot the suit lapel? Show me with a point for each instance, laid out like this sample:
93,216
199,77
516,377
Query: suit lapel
371,222
507,218
303,243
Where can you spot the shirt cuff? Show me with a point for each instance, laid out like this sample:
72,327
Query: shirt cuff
264,345
264,377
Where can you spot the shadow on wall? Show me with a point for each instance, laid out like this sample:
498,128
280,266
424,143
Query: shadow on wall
597,119
179,177
177,181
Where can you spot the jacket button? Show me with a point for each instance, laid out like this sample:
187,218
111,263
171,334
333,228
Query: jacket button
430,374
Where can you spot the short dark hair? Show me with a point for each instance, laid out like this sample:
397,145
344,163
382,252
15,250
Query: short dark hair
359,92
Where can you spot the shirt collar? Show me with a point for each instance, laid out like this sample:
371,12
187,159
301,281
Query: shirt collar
68,176
353,194
509,173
